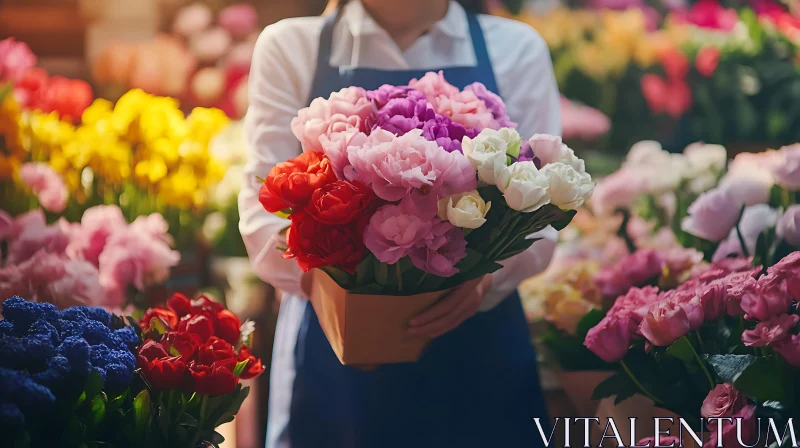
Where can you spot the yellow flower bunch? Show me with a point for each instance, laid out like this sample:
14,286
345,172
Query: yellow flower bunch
563,295
11,150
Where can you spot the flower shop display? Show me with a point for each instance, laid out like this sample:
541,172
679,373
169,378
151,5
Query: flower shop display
84,377
100,261
204,59
405,192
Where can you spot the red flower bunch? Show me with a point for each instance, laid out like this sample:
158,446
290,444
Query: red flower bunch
671,95
35,89
328,215
196,350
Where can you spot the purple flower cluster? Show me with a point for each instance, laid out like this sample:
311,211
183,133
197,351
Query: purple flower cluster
494,103
45,353
401,109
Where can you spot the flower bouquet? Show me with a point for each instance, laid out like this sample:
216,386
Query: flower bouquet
83,377
405,192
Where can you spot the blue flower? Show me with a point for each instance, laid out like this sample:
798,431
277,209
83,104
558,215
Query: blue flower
76,350
121,357
98,355
7,329
38,349
99,315
12,353
96,333
118,376
21,313
44,329
73,313
71,328
49,312
56,374
10,416
30,397
129,337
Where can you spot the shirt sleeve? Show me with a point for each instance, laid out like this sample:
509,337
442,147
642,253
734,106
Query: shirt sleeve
275,96
531,95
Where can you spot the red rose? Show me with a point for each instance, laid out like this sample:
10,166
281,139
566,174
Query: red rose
314,244
214,379
68,97
181,343
254,366
163,373
228,326
200,324
340,202
180,304
167,318
205,304
151,350
291,183
707,60
215,350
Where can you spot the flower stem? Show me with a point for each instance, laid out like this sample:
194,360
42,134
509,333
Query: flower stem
639,385
703,366
399,276
739,234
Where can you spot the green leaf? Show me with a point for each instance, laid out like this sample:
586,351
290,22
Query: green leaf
779,387
94,384
141,410
513,149
98,410
618,384
117,401
727,367
240,366
589,321
779,197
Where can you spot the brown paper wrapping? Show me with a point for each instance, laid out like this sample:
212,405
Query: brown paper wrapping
579,387
367,329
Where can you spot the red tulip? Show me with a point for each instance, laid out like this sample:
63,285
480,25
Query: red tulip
163,373
254,366
228,326
214,379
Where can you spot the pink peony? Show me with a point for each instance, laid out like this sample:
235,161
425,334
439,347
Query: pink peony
666,322
679,259
394,230
465,108
335,147
346,109
712,215
611,338
769,331
749,177
153,225
239,19
46,184
440,250
763,301
548,148
192,19
637,269
788,228
582,122
723,401
755,220
618,191
47,277
15,59
135,259
433,85
97,225
789,348
787,173
33,235
395,166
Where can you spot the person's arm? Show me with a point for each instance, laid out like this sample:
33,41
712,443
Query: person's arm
276,91
531,94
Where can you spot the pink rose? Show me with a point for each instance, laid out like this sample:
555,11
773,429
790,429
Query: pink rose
637,269
617,191
689,300
433,85
239,19
46,184
712,215
611,338
135,259
787,173
440,250
15,59
395,166
343,110
394,230
736,286
548,148
789,348
788,228
755,220
714,299
723,401
679,259
665,323
762,302
97,224
635,303
769,331
728,435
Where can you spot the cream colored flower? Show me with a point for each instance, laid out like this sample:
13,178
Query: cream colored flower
465,210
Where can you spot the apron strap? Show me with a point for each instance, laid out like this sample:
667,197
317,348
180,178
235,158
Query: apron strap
481,53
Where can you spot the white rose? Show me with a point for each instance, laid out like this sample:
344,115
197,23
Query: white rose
568,188
702,157
550,149
465,210
524,186
646,153
488,152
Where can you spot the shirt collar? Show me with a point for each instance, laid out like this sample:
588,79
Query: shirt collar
360,23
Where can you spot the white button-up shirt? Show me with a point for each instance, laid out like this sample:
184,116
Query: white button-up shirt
281,79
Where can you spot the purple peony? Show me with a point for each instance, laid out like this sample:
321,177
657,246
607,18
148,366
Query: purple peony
446,133
401,115
494,103
386,93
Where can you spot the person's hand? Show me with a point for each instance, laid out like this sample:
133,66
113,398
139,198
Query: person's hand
448,313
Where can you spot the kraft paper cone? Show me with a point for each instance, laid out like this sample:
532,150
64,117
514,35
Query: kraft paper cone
645,412
366,330
579,386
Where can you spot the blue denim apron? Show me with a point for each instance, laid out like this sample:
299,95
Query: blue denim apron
476,386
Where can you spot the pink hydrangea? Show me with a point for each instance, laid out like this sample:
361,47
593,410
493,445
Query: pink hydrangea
97,225
346,109
395,166
15,59
135,259
769,331
637,269
439,251
394,230
46,184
